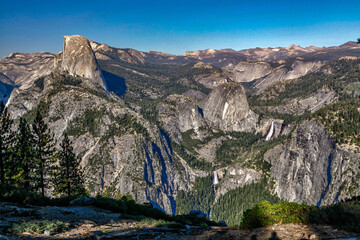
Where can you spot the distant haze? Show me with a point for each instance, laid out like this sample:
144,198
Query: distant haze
177,26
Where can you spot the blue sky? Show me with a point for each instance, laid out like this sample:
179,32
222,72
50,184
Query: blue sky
177,26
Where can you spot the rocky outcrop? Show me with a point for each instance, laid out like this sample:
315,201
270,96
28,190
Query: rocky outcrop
311,103
311,168
78,59
249,71
300,169
227,108
267,74
297,69
178,114
235,177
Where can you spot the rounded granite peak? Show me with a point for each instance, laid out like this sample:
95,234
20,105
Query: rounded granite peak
78,59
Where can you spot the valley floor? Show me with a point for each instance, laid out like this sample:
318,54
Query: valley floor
94,223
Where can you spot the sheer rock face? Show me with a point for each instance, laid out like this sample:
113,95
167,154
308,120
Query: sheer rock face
235,177
78,59
227,108
311,168
266,75
180,113
297,69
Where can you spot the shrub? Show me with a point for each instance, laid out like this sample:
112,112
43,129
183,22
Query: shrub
344,215
162,223
265,214
10,193
111,204
39,227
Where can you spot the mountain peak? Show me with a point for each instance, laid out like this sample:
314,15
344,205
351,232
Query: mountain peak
294,47
78,59
349,44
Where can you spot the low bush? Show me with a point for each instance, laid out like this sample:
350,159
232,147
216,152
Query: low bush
39,227
344,215
265,214
10,193
162,223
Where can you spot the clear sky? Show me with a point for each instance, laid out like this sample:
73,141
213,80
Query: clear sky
177,26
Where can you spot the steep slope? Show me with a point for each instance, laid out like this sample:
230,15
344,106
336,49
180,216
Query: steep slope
312,168
120,151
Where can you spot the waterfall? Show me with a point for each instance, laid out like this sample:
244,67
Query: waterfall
216,179
271,132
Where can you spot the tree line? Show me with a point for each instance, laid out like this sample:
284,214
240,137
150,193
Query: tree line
29,159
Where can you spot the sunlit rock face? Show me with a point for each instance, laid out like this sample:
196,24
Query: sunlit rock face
312,168
78,59
227,108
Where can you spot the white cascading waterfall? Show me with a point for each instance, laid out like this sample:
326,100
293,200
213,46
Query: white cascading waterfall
216,179
271,132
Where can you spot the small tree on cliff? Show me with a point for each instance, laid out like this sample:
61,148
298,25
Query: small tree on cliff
69,179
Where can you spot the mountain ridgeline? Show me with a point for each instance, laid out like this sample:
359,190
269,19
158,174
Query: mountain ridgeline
214,130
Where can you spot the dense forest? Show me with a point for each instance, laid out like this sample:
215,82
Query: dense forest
342,120
228,207
231,206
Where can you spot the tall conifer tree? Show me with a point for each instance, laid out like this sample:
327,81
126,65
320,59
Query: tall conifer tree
23,159
44,152
69,179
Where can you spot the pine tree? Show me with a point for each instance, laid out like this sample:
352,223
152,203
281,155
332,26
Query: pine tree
23,160
69,179
6,139
44,152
